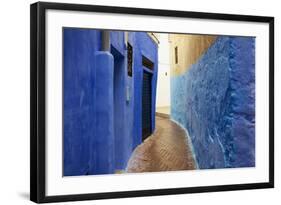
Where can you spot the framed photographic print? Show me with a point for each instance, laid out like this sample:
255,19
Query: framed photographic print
129,102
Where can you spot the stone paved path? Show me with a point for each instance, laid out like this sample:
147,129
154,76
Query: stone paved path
165,150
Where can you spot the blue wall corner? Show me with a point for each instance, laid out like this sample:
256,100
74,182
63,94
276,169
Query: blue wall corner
103,143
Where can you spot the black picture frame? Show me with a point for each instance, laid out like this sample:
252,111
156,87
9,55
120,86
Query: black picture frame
38,101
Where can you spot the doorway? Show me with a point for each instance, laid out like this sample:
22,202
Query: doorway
146,105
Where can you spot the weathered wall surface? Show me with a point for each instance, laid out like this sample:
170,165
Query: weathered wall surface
214,99
190,49
102,127
80,47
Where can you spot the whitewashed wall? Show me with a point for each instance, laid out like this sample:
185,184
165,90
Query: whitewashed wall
163,81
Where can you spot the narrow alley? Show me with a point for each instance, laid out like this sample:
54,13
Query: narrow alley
165,150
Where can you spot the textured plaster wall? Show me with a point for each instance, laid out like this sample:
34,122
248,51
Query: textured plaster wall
102,126
80,46
102,140
215,101
190,49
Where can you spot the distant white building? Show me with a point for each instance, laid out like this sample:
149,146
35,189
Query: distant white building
163,82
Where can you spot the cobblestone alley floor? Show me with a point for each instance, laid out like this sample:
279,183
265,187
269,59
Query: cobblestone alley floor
165,150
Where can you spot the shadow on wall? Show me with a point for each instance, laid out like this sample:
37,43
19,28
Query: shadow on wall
215,101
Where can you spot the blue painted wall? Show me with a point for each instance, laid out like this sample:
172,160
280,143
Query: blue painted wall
102,127
142,46
79,50
215,101
102,142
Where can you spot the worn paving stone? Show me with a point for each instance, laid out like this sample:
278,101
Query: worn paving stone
165,150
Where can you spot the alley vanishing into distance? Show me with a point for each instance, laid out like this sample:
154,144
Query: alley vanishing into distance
165,150
128,98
